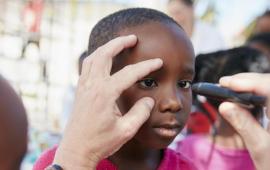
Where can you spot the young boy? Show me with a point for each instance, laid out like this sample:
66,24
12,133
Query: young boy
158,36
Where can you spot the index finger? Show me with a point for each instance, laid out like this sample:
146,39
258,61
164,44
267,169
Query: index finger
130,74
258,83
103,55
115,46
249,82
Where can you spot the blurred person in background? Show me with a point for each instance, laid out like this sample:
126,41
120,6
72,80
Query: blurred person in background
205,37
261,42
262,24
224,148
31,16
13,128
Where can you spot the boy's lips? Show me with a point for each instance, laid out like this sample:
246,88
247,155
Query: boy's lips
168,130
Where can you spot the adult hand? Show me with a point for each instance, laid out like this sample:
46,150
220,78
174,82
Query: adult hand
97,128
256,138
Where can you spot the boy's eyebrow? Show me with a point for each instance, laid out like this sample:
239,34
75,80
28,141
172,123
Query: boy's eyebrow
188,70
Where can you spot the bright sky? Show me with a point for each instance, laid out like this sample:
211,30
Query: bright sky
235,15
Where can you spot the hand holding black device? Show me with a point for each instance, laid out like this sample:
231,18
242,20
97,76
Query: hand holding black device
224,94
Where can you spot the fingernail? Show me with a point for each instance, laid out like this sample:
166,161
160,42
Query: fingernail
227,109
150,102
158,61
226,106
132,36
225,80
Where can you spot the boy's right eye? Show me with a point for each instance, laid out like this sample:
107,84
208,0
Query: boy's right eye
148,83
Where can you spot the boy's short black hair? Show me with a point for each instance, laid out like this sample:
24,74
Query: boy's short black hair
261,38
110,26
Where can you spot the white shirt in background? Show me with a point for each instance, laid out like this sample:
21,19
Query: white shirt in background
206,38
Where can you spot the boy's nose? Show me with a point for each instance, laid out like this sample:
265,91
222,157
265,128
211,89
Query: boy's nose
171,102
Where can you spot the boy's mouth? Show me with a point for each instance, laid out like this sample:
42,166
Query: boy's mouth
168,130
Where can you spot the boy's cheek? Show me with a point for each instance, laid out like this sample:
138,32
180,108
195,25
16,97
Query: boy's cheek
130,96
126,100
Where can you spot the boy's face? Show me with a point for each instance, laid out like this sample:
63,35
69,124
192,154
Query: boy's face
169,86
262,25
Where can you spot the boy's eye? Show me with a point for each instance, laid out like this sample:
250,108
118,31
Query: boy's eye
184,84
148,83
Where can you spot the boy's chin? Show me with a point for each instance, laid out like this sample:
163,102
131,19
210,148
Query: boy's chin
160,144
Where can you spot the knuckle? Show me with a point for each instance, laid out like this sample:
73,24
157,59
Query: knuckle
128,68
103,51
97,54
106,88
99,50
133,72
87,60
241,126
115,91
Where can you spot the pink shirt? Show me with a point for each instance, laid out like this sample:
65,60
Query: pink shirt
206,156
171,161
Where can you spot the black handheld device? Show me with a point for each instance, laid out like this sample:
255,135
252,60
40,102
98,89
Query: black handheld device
216,92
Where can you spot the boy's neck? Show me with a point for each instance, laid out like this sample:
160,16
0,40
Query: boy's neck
135,156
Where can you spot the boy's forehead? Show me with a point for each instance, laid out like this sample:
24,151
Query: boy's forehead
157,37
158,40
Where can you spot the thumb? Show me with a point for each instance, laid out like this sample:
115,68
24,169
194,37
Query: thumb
136,116
244,123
